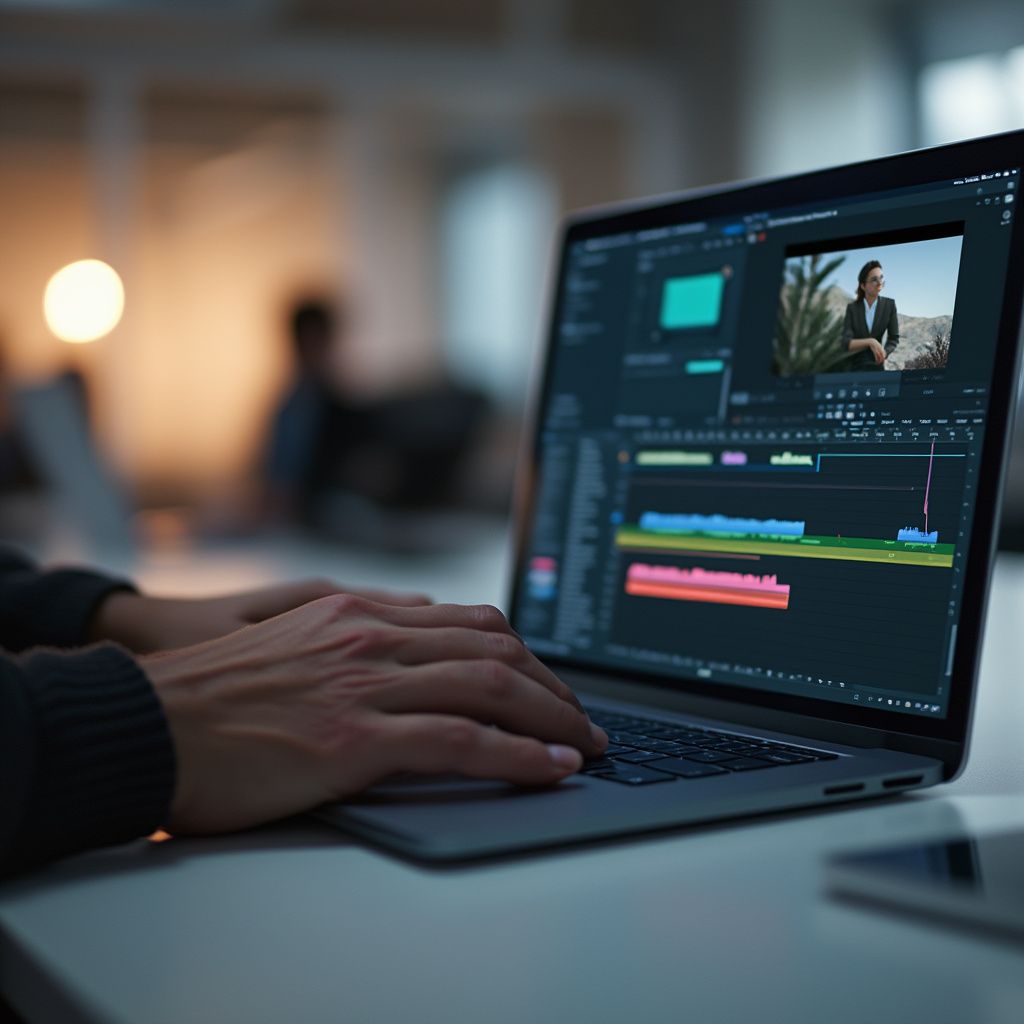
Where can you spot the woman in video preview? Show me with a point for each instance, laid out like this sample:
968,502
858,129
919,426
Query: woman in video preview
871,329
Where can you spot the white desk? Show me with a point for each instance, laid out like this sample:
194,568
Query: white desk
295,923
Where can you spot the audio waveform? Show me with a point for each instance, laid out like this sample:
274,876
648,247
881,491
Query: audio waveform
914,535
789,459
708,586
692,523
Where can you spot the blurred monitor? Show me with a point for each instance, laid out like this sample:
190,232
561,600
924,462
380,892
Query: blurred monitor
55,428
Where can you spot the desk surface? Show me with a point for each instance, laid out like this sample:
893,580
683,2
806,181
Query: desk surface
296,923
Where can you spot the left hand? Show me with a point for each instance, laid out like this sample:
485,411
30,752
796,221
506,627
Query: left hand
147,624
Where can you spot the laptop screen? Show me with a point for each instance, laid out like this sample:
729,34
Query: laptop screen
761,437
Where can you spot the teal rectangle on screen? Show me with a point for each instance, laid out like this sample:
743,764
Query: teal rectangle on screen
705,366
689,302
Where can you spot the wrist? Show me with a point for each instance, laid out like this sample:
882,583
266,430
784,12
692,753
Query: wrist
121,617
171,680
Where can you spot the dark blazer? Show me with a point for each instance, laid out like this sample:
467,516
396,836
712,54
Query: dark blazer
886,325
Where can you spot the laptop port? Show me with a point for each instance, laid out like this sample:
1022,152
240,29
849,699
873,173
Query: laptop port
850,787
902,780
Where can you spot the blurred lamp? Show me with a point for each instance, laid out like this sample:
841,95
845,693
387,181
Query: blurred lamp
83,301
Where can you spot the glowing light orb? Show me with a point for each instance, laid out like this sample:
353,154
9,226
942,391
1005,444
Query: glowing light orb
83,301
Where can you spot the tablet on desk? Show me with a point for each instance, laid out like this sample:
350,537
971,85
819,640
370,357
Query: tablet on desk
972,882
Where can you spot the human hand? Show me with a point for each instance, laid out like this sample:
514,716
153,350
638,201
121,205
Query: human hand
877,351
146,624
329,698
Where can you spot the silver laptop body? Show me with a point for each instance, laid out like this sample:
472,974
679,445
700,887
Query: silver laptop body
745,532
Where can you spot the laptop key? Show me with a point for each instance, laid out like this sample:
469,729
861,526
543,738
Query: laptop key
781,757
816,755
638,757
629,735
660,745
601,765
708,756
625,739
633,775
686,769
746,764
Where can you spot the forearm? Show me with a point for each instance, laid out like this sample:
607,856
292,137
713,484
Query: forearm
146,624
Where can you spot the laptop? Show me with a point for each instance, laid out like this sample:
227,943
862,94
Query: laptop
758,504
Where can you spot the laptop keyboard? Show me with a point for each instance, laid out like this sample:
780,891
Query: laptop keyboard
643,751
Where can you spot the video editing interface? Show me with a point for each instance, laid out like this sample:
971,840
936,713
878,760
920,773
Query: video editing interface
760,444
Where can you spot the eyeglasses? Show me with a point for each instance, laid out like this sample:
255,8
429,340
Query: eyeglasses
876,279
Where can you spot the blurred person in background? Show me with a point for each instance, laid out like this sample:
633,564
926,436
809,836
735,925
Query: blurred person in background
349,467
300,421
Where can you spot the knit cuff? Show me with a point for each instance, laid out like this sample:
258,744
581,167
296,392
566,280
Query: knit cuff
105,767
72,595
52,609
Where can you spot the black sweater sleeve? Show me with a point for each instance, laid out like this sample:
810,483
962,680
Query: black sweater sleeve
86,756
48,608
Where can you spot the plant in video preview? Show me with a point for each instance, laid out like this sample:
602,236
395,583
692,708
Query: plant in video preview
808,326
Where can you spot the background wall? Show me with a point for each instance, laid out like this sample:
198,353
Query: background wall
227,157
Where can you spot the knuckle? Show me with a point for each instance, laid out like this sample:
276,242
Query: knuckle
342,605
504,646
368,641
573,727
346,735
488,617
499,679
460,736
523,755
567,694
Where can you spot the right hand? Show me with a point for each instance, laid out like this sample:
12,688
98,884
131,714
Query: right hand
327,699
873,344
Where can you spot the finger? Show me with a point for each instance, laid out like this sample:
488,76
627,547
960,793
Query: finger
442,743
426,618
483,617
489,692
423,646
399,598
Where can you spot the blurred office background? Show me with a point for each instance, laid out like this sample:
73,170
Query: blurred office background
407,160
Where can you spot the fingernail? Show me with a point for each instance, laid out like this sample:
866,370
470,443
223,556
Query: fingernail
598,735
565,757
